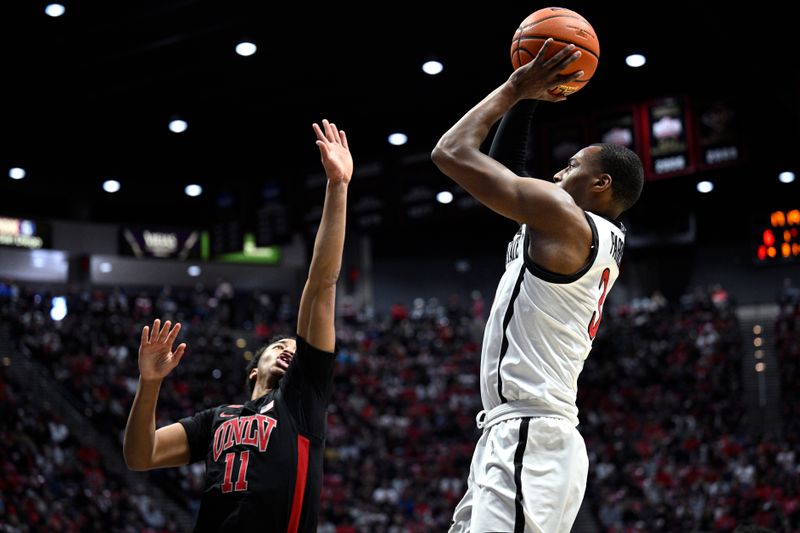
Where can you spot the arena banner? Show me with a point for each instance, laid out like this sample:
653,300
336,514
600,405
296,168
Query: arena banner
25,233
160,243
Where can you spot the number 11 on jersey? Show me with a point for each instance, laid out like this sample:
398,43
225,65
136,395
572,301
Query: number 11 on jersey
241,480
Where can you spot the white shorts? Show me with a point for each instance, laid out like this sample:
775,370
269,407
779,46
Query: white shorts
527,475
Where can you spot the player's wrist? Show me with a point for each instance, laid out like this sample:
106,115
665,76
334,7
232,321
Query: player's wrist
150,381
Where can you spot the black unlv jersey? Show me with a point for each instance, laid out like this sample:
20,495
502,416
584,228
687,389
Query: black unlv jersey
264,458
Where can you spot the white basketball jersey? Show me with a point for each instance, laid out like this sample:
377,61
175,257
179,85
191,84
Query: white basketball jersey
541,327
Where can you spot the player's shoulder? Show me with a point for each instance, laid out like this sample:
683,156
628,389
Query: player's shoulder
227,410
606,222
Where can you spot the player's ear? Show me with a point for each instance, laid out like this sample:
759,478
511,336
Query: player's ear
602,182
253,374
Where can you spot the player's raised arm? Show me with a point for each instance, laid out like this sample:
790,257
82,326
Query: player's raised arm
315,321
145,448
542,205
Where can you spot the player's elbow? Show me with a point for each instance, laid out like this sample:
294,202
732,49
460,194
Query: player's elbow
447,154
136,464
322,281
134,461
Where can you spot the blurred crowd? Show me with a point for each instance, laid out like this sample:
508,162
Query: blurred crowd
660,399
664,419
51,482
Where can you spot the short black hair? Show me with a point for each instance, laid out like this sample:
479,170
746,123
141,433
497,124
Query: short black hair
250,384
626,171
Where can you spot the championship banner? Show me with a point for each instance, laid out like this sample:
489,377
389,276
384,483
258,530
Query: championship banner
667,146
618,126
719,136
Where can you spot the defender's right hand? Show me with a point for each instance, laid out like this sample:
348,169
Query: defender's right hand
156,358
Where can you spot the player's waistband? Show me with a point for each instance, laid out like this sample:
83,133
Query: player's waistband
519,409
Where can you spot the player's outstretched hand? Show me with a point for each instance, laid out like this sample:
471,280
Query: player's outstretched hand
335,152
534,79
156,358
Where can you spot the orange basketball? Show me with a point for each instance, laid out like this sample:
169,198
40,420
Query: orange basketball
565,27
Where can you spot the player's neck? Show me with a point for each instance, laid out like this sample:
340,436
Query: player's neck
258,392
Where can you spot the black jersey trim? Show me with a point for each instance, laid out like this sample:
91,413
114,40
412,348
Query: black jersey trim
519,513
553,277
506,321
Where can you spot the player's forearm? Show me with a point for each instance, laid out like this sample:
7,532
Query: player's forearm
140,431
326,261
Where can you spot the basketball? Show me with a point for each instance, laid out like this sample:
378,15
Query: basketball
565,27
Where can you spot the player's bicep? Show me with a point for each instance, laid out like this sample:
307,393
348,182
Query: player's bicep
522,199
171,447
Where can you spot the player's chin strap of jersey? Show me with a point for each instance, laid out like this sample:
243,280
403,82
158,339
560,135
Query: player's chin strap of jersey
517,409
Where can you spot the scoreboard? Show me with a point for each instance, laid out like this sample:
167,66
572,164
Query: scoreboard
777,238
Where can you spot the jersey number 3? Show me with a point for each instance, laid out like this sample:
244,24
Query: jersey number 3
593,325
241,481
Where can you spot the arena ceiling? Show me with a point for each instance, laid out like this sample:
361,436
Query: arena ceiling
88,95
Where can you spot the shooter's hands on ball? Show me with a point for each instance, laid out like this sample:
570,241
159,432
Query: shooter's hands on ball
534,79
156,358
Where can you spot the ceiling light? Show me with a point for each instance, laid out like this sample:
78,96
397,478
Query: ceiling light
54,10
178,126
398,139
16,173
193,190
444,197
635,60
111,186
705,187
245,49
432,67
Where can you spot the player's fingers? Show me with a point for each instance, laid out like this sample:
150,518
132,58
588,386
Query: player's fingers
542,51
154,331
575,76
343,138
327,126
571,59
335,132
318,132
323,148
178,353
173,334
561,57
145,335
162,336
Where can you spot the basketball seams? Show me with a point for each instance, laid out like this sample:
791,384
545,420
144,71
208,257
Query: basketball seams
539,21
545,37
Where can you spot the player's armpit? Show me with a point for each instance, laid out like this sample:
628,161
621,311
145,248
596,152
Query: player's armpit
171,447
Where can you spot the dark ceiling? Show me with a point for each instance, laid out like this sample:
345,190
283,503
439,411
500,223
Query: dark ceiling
88,96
